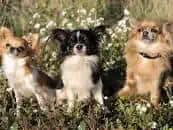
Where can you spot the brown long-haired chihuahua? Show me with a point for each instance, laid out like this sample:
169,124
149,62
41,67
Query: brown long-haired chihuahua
147,58
24,79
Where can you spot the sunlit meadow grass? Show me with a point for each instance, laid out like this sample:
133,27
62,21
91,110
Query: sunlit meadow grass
44,15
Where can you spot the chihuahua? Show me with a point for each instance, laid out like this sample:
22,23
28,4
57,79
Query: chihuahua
81,68
147,56
25,80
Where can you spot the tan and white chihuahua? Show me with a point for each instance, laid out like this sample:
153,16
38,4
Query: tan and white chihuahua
24,79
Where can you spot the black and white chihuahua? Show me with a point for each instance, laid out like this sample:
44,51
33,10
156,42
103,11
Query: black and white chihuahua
80,70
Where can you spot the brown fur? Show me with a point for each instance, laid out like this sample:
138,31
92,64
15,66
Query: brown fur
143,75
24,79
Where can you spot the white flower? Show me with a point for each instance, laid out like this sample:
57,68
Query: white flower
42,31
44,40
98,22
153,125
110,31
83,23
31,22
51,24
37,26
101,19
118,30
126,12
9,90
90,21
63,13
36,16
113,36
105,97
148,105
64,21
54,55
82,11
35,110
122,22
109,45
69,25
143,109
93,10
171,103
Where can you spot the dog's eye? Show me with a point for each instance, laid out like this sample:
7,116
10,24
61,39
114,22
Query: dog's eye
83,40
154,30
30,45
72,39
20,49
7,45
139,30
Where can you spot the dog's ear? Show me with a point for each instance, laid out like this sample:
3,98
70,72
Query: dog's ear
167,30
33,41
167,27
60,34
100,30
5,33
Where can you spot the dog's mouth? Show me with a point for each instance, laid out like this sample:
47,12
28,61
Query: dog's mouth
148,41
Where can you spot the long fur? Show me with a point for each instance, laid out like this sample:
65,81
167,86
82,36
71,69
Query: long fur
80,72
25,80
76,75
144,75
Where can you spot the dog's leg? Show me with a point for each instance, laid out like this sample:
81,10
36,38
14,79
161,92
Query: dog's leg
41,102
98,95
130,86
19,102
71,99
155,94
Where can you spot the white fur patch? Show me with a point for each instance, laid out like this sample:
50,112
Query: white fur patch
25,85
77,75
78,35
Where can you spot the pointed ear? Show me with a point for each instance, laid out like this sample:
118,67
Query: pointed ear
167,27
100,30
33,41
167,30
5,33
60,34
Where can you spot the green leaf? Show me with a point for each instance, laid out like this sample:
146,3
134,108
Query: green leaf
14,126
82,126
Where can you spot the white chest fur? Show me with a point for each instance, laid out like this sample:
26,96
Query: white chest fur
14,71
77,71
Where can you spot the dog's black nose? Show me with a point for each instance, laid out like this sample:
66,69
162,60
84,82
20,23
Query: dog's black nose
79,47
12,49
145,33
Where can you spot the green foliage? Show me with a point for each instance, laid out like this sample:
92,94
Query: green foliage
43,16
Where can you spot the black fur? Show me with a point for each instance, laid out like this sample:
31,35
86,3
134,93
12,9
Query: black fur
96,73
89,37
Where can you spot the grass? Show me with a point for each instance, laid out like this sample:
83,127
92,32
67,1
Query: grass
157,9
133,113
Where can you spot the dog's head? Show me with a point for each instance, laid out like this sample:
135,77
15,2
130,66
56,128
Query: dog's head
18,46
146,31
79,41
151,36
